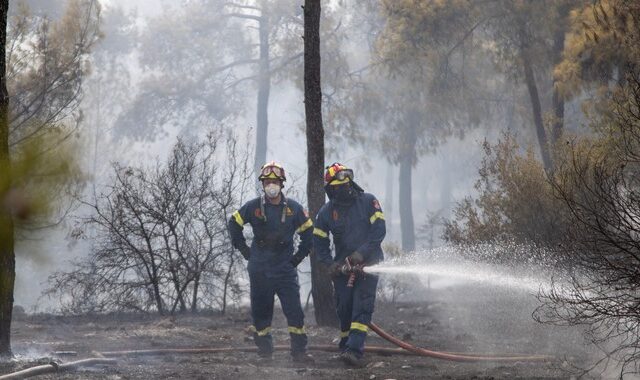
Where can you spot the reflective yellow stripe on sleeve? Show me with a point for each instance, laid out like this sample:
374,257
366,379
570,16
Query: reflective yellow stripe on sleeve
359,326
319,232
377,215
297,330
305,226
344,334
236,215
264,332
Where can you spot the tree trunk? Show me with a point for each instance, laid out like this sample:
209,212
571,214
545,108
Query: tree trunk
225,290
156,288
264,88
7,255
179,300
406,209
537,110
558,99
407,158
388,198
194,296
321,287
445,190
157,297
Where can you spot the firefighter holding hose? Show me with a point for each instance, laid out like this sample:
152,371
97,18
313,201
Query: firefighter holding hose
356,222
272,263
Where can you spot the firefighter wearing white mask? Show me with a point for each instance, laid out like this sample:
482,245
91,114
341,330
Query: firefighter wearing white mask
274,220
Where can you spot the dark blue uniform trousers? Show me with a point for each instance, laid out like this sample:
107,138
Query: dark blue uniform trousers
263,289
354,306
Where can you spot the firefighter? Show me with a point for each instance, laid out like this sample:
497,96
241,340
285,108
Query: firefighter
272,263
356,222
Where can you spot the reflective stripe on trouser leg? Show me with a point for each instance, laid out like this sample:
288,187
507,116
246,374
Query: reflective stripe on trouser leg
288,291
264,341
344,299
364,297
261,294
299,340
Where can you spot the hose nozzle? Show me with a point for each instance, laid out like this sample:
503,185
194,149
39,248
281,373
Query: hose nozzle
350,269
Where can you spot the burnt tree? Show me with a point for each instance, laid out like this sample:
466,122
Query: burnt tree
600,185
7,255
321,285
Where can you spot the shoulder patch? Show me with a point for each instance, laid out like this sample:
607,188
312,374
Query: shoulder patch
289,211
257,213
376,204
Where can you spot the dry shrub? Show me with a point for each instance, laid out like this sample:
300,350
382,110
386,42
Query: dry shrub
515,201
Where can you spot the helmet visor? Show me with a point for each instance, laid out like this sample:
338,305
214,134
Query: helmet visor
344,174
267,170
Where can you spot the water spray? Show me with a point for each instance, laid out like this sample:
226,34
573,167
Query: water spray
509,266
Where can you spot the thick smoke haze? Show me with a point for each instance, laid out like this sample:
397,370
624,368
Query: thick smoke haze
441,178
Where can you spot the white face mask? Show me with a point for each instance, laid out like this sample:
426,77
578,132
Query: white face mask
272,190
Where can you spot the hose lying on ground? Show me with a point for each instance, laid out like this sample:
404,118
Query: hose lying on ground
102,357
455,356
405,349
55,367
312,347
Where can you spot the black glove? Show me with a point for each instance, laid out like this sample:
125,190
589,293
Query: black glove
334,269
245,251
356,258
296,259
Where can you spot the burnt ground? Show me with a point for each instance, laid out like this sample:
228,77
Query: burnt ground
459,319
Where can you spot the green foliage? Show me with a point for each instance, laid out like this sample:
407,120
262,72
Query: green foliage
515,201
38,179
47,62
424,34
435,77
600,48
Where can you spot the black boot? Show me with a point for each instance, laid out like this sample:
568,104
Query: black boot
302,358
264,357
351,359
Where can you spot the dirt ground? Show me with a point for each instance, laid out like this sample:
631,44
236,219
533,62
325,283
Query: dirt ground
459,319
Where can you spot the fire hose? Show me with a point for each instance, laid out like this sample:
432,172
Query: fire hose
453,356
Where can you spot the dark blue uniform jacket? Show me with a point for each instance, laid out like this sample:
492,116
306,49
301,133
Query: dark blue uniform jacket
273,240
357,227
